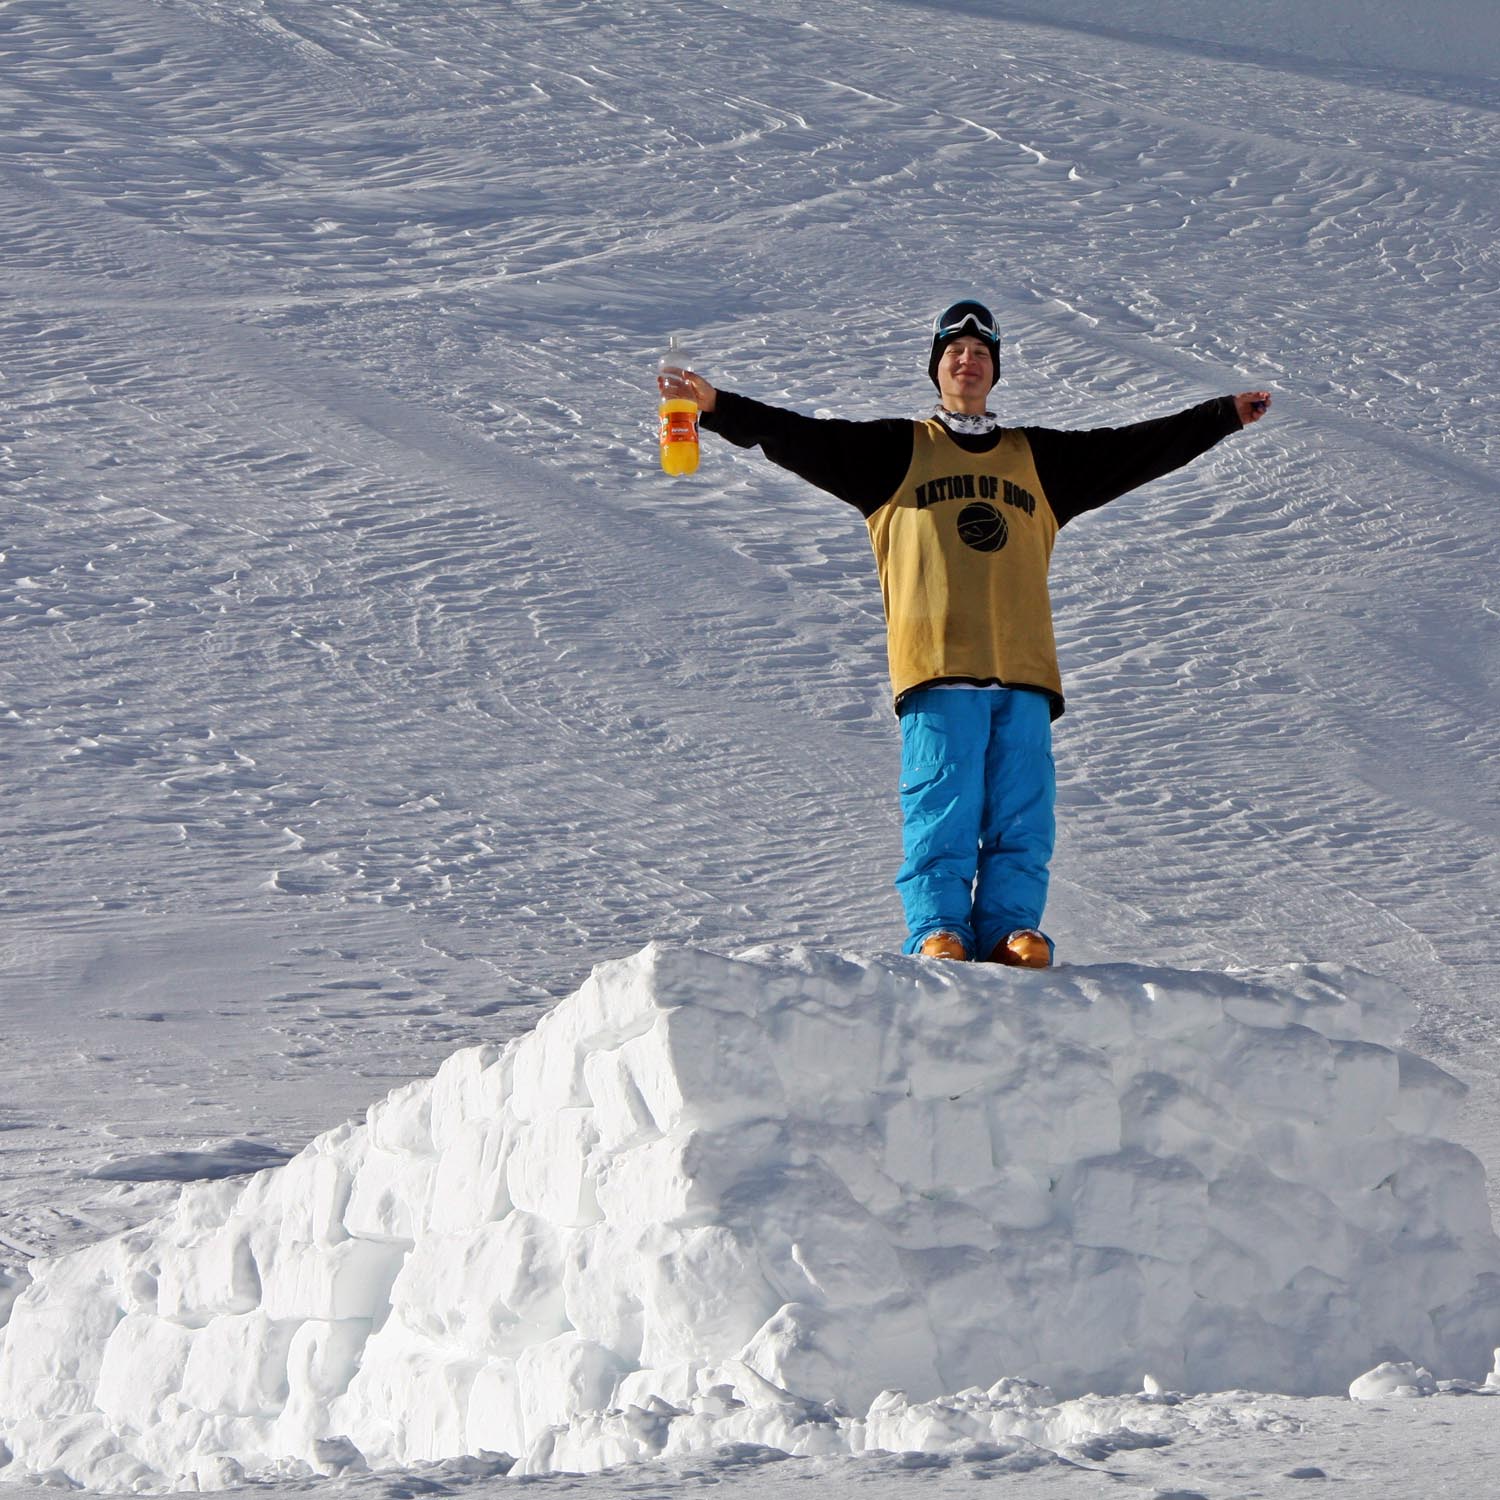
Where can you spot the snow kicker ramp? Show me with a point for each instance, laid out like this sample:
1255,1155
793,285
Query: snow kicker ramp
714,1199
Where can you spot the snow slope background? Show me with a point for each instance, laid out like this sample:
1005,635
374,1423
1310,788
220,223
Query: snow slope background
364,685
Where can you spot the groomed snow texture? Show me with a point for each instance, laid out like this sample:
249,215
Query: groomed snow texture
790,1198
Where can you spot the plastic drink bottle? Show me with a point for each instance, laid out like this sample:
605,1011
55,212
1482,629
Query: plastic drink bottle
679,415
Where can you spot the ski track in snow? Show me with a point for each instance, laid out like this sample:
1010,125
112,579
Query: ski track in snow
348,631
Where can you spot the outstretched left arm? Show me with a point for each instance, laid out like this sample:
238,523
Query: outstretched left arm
1081,470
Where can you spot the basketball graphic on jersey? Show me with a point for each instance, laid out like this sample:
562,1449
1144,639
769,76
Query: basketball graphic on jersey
982,527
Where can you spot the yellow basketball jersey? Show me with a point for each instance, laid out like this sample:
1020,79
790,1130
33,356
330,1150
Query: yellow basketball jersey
963,548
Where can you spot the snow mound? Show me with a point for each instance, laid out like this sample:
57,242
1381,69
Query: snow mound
790,1198
1390,1380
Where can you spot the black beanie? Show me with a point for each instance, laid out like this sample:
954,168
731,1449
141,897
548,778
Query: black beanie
963,318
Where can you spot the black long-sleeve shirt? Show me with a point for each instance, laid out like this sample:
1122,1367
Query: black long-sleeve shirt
962,606
865,462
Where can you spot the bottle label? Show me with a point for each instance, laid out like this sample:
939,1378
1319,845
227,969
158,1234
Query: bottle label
679,427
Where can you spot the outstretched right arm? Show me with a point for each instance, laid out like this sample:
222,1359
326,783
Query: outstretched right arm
862,463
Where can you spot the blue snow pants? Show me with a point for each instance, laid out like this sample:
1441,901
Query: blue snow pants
978,792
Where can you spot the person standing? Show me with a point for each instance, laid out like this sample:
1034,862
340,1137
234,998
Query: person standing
963,513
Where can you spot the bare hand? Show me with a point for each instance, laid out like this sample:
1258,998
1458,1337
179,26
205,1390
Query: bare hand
1252,406
676,384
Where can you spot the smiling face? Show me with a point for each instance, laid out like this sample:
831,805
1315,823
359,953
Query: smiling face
965,374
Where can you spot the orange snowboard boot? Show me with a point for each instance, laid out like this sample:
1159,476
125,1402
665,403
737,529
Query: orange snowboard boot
943,945
1025,948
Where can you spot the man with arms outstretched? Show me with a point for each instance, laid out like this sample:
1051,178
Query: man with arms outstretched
963,513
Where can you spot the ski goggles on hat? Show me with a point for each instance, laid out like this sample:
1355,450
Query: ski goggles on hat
966,317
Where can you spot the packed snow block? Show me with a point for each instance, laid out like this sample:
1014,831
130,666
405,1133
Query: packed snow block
55,1341
408,1395
205,1278
494,1421
401,1123
331,1283
714,1200
388,1196
471,1086
684,1178
621,1114
491,1292
547,1069
470,1179
304,1200
699,1068
657,1295
145,1360
236,1366
566,1375
548,1173
321,1359
1148,1206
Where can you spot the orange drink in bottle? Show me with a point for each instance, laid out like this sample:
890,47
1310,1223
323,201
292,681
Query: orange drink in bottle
677,414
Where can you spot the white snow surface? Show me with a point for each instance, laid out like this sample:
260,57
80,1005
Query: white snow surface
363,684
793,1199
